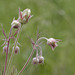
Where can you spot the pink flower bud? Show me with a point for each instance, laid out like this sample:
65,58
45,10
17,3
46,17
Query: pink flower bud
35,60
24,16
15,24
5,48
41,59
17,49
52,43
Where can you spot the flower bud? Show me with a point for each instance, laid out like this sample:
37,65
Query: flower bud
15,24
17,49
35,60
24,16
26,12
5,48
52,43
41,59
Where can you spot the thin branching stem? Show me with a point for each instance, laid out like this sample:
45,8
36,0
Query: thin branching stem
26,62
40,50
3,32
7,51
16,32
12,54
41,39
30,55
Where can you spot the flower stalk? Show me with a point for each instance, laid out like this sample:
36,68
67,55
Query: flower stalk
12,55
7,51
34,48
27,62
41,39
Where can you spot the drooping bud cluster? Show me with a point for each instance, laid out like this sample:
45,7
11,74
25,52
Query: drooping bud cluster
38,60
17,50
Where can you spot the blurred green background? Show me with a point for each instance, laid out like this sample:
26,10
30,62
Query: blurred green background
54,18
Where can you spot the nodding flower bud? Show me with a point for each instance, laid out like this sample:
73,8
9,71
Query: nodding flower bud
35,60
24,16
17,49
52,43
26,12
5,48
15,24
41,59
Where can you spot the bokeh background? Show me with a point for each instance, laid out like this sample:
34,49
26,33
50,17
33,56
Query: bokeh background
53,18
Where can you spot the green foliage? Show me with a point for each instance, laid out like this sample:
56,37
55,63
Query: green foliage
54,18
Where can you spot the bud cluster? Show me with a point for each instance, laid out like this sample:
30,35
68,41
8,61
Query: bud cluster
51,42
24,17
38,60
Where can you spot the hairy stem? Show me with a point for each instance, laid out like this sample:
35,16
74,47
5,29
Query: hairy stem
7,51
31,55
4,32
40,50
16,32
12,54
6,57
26,62
41,39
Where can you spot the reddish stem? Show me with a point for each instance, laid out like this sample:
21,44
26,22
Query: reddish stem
6,56
7,51
27,61
16,32
20,14
4,32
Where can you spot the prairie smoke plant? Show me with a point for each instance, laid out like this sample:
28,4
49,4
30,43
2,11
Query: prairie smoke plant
23,18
